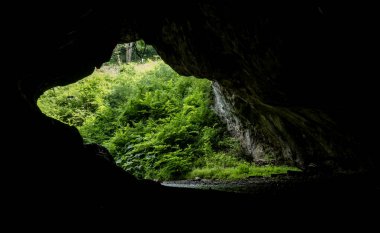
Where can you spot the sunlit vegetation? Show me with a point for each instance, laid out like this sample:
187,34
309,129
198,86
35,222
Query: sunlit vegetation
241,171
156,123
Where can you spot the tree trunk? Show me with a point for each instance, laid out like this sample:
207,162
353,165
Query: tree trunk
128,52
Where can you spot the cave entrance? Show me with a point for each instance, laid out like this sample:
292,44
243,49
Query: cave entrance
140,114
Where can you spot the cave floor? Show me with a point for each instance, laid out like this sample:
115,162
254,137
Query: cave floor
336,200
315,200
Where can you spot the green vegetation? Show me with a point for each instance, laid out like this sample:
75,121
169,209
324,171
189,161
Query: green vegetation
242,171
156,124
132,52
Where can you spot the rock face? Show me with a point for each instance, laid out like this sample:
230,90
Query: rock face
292,81
284,75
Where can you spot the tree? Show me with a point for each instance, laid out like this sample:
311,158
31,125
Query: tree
128,51
133,52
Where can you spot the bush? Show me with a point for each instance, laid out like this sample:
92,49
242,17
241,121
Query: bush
156,123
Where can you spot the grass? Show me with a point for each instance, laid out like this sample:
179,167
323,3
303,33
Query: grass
242,171
227,166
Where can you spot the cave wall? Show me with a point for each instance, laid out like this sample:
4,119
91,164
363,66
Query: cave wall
288,73
296,82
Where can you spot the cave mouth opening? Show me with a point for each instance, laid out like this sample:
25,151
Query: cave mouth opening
137,112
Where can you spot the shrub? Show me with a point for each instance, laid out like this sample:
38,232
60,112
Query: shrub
156,123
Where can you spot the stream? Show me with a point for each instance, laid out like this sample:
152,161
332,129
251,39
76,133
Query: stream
252,185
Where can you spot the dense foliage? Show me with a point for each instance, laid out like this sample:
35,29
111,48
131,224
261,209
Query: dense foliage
140,51
155,123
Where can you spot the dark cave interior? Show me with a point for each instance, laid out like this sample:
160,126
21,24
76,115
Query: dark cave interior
298,76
